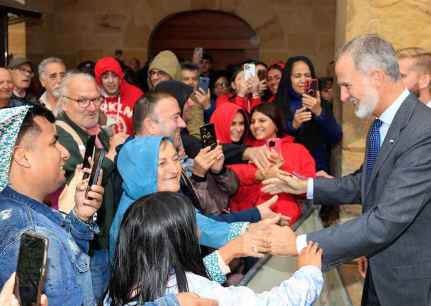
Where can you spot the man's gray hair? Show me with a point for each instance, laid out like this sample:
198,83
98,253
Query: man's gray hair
63,89
371,52
45,62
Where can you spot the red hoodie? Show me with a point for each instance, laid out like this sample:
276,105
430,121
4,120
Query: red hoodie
118,109
222,118
296,159
245,103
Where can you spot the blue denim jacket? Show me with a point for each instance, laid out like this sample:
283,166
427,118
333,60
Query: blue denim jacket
68,279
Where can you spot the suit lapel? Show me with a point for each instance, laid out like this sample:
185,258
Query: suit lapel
392,137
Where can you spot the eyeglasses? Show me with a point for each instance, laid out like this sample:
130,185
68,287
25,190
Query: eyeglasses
55,76
157,72
85,102
26,71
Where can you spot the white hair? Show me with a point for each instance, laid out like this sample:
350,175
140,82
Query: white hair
45,62
371,52
63,89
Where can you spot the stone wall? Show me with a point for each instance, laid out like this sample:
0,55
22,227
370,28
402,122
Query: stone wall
79,29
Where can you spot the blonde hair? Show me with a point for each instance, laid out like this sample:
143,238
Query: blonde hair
421,57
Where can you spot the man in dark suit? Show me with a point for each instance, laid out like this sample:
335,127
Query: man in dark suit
393,183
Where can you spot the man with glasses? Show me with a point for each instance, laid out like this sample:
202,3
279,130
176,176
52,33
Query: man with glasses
79,107
51,72
22,73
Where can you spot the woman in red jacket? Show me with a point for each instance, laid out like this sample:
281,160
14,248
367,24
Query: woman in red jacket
246,92
230,126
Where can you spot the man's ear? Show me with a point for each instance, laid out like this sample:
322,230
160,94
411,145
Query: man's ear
377,77
148,125
20,157
43,82
424,81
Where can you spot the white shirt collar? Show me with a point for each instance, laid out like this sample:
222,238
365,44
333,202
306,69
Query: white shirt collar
429,104
388,115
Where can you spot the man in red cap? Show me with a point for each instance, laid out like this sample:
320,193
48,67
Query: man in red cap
120,96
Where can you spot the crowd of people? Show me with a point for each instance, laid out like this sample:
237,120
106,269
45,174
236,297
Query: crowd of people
171,221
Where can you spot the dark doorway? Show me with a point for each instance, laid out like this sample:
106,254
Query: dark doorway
226,37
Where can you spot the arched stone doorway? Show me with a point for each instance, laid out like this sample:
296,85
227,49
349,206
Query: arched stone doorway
228,38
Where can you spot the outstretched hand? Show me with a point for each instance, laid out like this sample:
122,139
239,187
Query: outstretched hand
285,182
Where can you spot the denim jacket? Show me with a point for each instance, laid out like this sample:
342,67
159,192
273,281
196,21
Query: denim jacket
68,279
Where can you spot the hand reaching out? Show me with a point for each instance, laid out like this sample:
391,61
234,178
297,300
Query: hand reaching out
285,182
311,255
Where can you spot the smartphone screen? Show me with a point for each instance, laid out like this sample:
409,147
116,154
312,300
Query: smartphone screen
249,71
31,268
89,153
208,136
197,55
204,84
311,87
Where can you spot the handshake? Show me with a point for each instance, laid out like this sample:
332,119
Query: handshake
268,236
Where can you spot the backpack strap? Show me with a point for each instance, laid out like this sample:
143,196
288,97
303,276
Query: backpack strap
65,126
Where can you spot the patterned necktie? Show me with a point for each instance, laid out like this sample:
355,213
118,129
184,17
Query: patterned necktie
373,145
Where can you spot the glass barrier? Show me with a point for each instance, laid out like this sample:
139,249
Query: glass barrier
270,271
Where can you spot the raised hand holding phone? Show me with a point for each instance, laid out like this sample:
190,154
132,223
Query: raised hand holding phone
89,192
312,104
301,115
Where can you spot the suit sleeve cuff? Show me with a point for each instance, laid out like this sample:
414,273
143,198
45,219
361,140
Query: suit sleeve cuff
301,242
310,189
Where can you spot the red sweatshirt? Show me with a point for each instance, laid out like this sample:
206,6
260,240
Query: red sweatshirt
296,159
245,103
118,109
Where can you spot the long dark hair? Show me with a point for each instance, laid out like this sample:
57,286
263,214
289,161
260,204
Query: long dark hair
157,237
270,110
285,90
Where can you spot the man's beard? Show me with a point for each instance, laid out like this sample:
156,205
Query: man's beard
366,107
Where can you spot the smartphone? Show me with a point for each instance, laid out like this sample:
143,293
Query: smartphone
31,268
89,154
197,55
95,170
204,84
274,145
208,136
249,71
311,86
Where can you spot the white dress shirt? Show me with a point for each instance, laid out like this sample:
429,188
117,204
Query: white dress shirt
386,117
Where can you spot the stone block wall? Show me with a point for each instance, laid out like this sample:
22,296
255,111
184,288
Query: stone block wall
79,29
